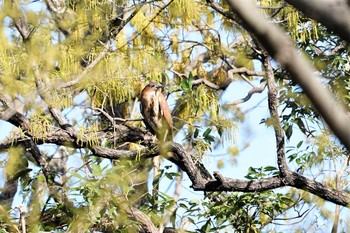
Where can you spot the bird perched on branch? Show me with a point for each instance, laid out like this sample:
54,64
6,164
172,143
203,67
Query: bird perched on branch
156,113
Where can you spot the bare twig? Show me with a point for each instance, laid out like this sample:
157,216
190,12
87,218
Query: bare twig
243,70
200,58
252,91
113,119
104,113
206,82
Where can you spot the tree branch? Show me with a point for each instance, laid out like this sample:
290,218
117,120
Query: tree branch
252,91
200,177
144,220
202,180
320,190
273,108
23,28
7,113
55,113
282,49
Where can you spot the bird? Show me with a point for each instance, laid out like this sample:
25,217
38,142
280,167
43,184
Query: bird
156,113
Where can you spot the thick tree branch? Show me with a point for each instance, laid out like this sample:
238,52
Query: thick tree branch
320,190
228,184
32,148
201,180
200,177
282,49
60,136
19,19
56,6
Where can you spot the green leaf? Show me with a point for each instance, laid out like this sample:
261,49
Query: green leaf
220,130
190,79
206,226
292,157
77,175
184,85
196,132
299,144
289,131
270,168
171,175
173,217
182,205
210,139
263,121
206,132
97,171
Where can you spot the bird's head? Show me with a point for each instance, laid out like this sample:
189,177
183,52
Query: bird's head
152,86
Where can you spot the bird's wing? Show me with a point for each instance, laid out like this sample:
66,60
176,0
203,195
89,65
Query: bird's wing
166,113
146,116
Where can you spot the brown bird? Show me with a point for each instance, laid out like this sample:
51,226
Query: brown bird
156,113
